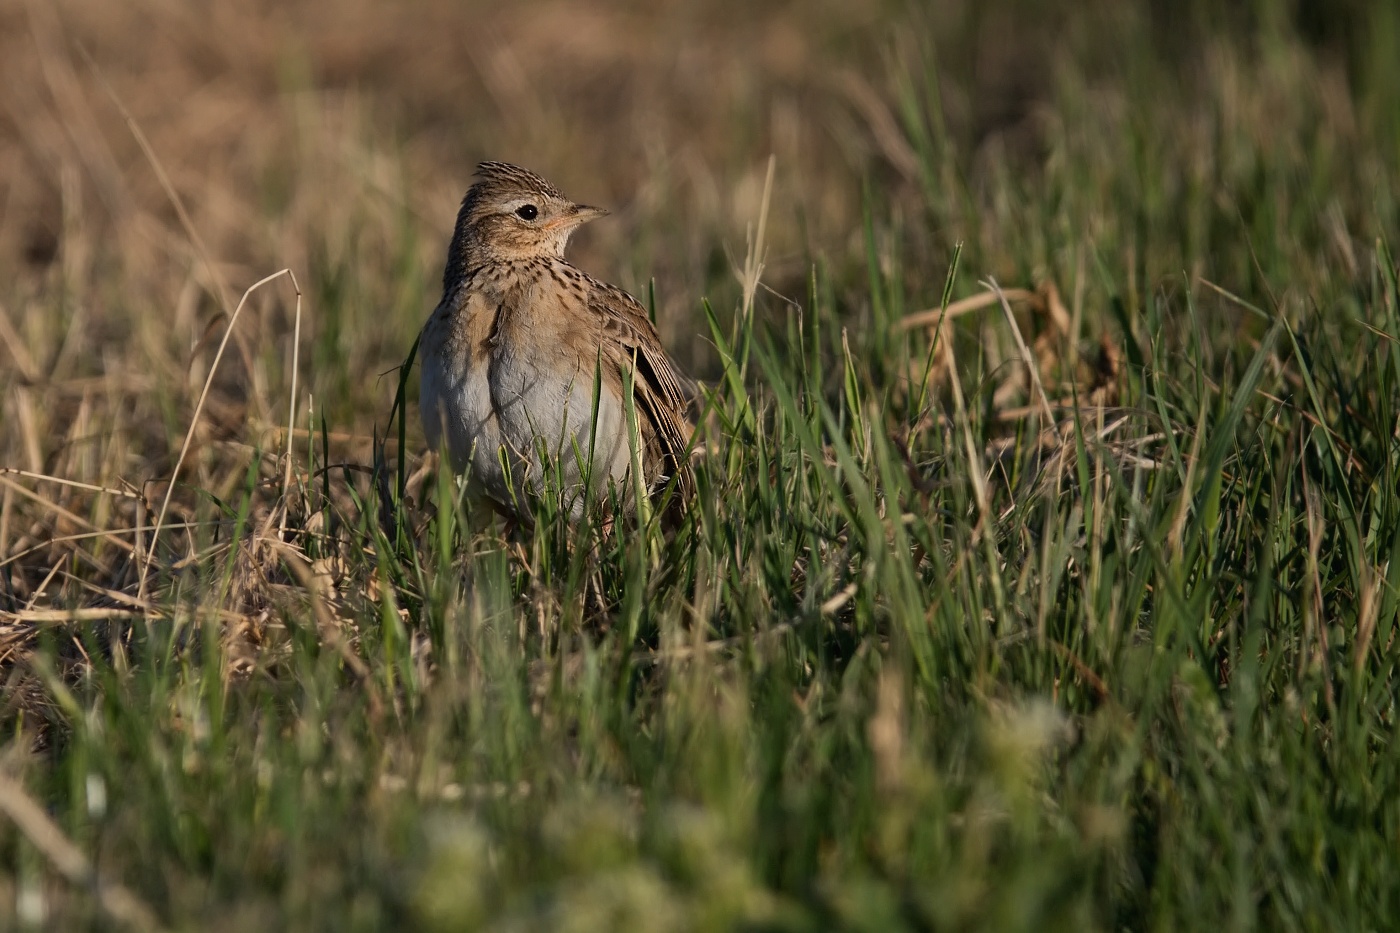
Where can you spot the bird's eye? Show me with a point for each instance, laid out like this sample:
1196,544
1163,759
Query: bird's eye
527,212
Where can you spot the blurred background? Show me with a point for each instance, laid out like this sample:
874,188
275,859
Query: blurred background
336,139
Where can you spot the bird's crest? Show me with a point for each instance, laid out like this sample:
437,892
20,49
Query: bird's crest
504,175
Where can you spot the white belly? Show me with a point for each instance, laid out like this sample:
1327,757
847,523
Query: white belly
515,427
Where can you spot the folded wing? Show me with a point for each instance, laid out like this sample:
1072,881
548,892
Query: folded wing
662,393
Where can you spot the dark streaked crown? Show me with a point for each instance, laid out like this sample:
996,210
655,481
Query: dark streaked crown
498,176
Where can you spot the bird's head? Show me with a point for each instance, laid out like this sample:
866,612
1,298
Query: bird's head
511,213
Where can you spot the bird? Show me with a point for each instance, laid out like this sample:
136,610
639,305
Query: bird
520,345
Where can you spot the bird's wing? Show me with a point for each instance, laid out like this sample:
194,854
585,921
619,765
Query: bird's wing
663,393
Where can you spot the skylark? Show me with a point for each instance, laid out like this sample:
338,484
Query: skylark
512,355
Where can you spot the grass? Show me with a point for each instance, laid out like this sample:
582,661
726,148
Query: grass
1074,608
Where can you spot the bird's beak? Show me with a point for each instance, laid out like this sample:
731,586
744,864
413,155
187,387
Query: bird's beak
581,214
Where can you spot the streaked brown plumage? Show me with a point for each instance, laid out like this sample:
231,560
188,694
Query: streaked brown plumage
510,354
